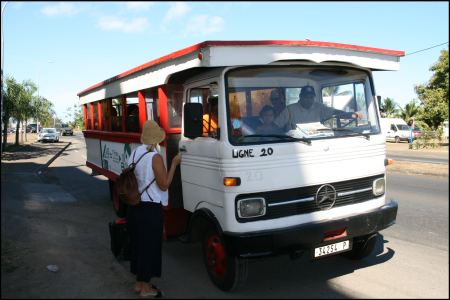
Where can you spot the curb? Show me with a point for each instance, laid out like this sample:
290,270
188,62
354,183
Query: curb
40,170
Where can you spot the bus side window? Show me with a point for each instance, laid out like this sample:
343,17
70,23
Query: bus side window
152,105
175,105
132,111
105,115
96,116
116,115
132,119
88,110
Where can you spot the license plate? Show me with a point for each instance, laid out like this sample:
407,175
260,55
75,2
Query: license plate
331,249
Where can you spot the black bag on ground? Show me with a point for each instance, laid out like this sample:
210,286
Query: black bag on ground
120,239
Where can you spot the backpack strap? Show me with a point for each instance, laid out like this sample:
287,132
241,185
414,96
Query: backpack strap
146,188
132,161
135,163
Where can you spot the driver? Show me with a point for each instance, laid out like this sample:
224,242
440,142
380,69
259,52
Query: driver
306,110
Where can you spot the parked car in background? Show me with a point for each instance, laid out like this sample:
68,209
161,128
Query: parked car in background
48,135
66,129
418,132
32,128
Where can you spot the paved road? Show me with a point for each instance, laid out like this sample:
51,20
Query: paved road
402,153
62,218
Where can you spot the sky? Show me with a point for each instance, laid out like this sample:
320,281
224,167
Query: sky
66,47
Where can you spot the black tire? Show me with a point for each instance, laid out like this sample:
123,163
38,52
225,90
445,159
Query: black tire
227,272
118,206
362,247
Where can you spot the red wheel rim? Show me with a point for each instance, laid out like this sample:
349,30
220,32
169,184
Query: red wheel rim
216,256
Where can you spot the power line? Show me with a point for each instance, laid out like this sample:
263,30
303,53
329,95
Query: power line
426,49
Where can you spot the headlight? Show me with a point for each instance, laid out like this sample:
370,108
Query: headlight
378,187
251,207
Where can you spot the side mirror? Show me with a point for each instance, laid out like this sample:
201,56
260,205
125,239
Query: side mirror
379,102
193,120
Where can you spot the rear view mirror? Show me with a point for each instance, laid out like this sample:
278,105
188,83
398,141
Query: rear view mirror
193,120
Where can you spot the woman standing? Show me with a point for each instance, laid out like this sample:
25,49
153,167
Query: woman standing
145,220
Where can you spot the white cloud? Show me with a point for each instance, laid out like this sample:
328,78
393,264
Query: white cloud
111,23
176,10
62,8
139,5
205,24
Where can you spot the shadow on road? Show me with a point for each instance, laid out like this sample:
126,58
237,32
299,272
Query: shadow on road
28,152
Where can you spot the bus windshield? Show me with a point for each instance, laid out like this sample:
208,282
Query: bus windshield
290,103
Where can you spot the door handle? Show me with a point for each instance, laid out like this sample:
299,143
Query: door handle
183,149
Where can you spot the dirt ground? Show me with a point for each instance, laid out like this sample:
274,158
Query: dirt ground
410,167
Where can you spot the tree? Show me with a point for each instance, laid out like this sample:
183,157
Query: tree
43,110
434,94
78,121
75,116
10,99
23,106
389,108
410,111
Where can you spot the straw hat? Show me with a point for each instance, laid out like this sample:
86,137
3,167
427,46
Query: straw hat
152,133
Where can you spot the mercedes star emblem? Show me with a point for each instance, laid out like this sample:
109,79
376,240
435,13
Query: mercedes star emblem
326,197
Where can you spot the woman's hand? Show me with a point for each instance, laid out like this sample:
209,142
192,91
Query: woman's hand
176,160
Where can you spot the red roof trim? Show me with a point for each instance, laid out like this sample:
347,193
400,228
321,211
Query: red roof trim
205,44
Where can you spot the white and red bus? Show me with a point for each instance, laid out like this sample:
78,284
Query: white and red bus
317,187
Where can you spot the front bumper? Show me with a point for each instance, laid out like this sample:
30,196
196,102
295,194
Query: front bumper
307,236
49,139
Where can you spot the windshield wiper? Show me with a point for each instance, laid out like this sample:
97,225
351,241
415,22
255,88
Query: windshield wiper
281,136
354,133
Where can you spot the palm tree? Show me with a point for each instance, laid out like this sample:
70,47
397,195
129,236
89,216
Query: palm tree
389,108
11,95
23,106
330,91
410,111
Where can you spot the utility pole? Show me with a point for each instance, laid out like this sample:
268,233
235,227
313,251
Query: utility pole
1,105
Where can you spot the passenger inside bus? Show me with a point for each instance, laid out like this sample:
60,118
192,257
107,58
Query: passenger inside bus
132,119
277,100
267,115
116,121
211,120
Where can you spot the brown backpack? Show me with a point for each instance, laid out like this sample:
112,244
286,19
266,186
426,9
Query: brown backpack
127,186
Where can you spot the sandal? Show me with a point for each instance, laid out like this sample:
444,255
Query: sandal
152,294
160,293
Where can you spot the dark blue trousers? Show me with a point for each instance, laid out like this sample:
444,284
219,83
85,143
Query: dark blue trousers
145,222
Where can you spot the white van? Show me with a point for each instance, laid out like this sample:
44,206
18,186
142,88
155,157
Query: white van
395,129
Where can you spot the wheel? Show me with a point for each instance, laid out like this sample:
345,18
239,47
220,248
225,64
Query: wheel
362,247
119,207
227,272
397,139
